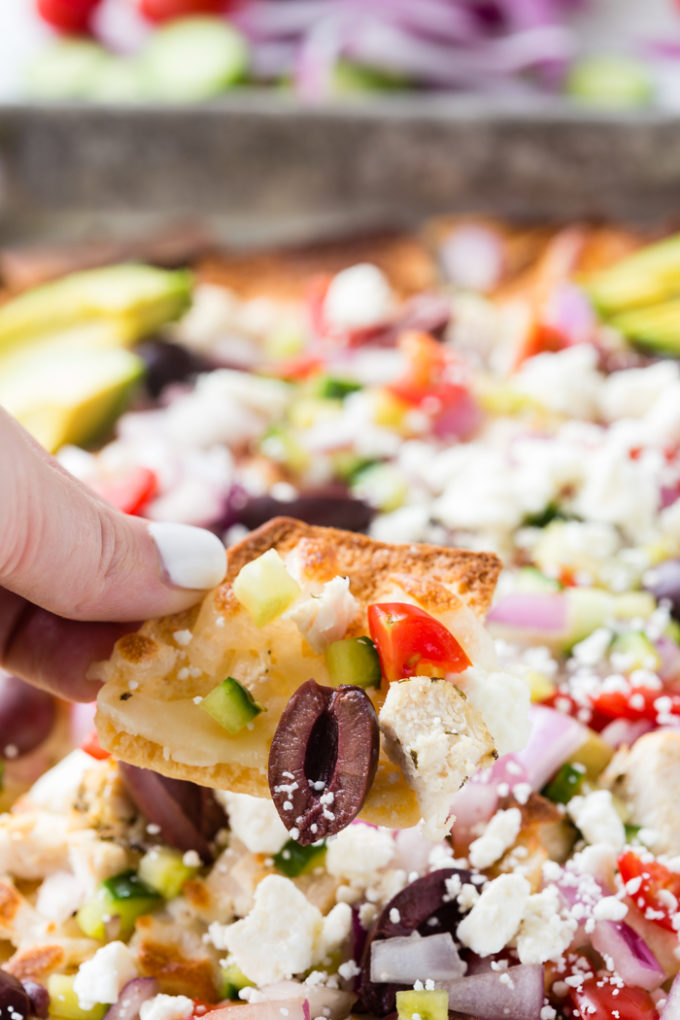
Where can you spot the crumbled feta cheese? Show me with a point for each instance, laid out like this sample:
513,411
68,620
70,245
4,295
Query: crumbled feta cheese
546,929
182,637
498,836
496,916
439,739
565,381
359,852
597,818
502,699
278,938
336,928
610,908
325,618
166,1007
255,821
101,978
357,297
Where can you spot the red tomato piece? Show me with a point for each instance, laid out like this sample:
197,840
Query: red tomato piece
159,11
128,492
410,642
599,999
635,703
656,881
92,747
67,15
298,368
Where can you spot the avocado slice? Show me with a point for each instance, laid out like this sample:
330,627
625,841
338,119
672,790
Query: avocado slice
655,328
65,394
136,298
649,276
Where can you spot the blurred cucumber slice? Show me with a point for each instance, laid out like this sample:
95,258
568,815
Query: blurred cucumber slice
610,81
66,69
118,81
193,58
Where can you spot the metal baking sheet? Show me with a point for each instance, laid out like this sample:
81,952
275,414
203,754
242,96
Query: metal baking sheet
258,166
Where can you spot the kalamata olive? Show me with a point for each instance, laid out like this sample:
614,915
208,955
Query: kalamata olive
664,583
15,1003
166,363
27,716
423,906
323,758
330,507
189,816
40,998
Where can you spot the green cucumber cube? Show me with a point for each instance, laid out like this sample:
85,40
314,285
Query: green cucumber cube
231,705
265,588
354,661
565,784
232,980
293,859
125,897
164,871
426,1005
64,1001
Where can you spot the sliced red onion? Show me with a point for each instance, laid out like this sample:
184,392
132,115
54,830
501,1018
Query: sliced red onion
27,716
624,732
474,805
473,257
570,314
130,1000
269,1009
408,958
633,960
669,651
459,419
412,850
333,1003
671,1009
496,995
554,738
81,721
539,612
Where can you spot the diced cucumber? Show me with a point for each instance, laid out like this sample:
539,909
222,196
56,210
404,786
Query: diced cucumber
65,69
354,661
382,485
634,650
649,276
631,605
610,81
350,78
293,859
306,412
164,871
565,784
533,580
64,1001
193,58
125,897
280,445
594,755
349,466
423,1005
587,609
232,980
330,387
231,705
265,588
118,81
544,517
540,686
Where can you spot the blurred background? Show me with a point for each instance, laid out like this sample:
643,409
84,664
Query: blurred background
608,53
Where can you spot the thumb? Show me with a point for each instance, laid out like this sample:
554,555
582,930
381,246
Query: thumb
67,551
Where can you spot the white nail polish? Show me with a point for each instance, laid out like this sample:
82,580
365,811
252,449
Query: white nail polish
191,557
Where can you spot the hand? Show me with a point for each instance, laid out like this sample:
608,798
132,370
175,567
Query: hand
74,571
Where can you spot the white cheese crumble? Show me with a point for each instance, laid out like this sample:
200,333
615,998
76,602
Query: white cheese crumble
323,619
597,818
502,699
546,929
255,821
357,297
496,915
359,853
182,637
498,836
610,908
101,978
166,1007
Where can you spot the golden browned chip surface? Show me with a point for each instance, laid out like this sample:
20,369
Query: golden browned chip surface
149,709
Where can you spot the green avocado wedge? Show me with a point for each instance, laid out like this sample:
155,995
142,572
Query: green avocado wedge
650,276
134,298
64,394
655,329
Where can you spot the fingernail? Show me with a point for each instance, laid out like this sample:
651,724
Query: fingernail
191,557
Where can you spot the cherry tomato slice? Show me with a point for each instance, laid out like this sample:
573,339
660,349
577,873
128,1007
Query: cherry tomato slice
159,11
600,999
656,882
128,492
636,703
67,15
92,747
410,642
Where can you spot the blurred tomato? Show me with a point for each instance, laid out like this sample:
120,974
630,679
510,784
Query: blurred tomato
67,15
165,10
